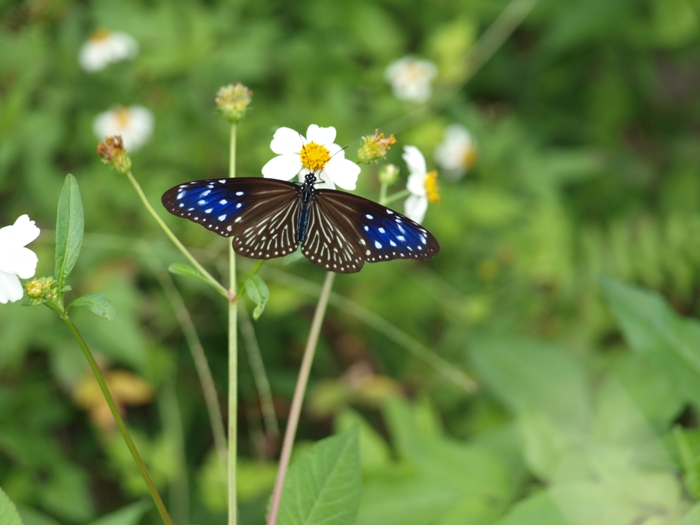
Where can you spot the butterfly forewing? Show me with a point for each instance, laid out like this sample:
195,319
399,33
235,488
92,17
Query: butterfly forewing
260,213
362,230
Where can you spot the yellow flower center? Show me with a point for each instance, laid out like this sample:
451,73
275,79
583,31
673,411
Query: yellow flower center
123,116
314,156
469,157
431,187
100,34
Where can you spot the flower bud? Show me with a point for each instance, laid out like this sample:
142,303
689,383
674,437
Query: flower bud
374,147
113,153
389,174
232,101
41,290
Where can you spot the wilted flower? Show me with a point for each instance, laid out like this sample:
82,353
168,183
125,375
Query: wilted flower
316,152
410,78
374,147
113,153
105,47
233,100
16,261
457,151
422,185
134,124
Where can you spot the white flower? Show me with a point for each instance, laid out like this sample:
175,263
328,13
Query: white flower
316,153
16,261
422,185
134,124
457,151
105,47
410,78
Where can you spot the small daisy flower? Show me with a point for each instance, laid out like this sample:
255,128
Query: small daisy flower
134,124
316,152
104,48
410,78
422,185
457,151
16,261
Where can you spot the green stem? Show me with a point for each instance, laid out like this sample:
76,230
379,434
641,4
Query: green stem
233,361
216,284
120,422
298,398
382,192
396,196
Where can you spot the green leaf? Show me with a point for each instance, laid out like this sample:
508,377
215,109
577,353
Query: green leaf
324,484
8,511
188,271
129,515
293,257
259,293
97,303
69,229
538,509
692,517
688,443
374,452
652,328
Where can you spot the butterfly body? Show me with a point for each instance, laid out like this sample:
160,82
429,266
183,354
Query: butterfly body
269,218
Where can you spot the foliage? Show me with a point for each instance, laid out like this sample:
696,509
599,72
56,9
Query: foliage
585,122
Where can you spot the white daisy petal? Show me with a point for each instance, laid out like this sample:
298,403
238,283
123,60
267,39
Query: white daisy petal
282,167
343,172
416,184
104,48
10,288
134,124
286,140
319,135
326,183
415,207
21,233
414,159
19,261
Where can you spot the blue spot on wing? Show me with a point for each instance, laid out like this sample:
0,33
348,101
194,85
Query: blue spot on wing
211,203
392,235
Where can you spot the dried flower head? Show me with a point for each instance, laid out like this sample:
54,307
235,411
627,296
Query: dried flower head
374,147
114,153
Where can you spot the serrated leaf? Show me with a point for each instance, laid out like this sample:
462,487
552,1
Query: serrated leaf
187,271
8,511
323,486
97,304
259,293
69,229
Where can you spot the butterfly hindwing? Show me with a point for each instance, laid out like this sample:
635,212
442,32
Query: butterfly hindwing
260,213
362,230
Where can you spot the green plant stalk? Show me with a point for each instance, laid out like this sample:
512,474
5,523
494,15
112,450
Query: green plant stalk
394,197
295,411
216,284
232,361
118,418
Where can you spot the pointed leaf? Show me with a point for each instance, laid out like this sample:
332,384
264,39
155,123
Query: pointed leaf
259,293
97,303
69,229
8,511
323,486
129,515
188,271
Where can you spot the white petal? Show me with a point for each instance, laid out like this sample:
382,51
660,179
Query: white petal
326,183
412,91
416,184
319,135
414,159
286,140
282,167
21,233
415,208
342,172
19,261
10,288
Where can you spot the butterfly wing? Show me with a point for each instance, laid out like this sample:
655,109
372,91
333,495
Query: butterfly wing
345,230
261,214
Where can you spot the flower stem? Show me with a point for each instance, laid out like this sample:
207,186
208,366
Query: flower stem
298,398
394,197
232,361
216,284
120,422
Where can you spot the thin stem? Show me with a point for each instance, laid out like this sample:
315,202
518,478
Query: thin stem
120,422
259,375
298,398
216,284
232,361
394,197
383,326
172,427
197,351
382,192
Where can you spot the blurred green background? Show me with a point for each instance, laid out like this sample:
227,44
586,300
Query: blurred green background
587,125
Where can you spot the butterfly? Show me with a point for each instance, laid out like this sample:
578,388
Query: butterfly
270,218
